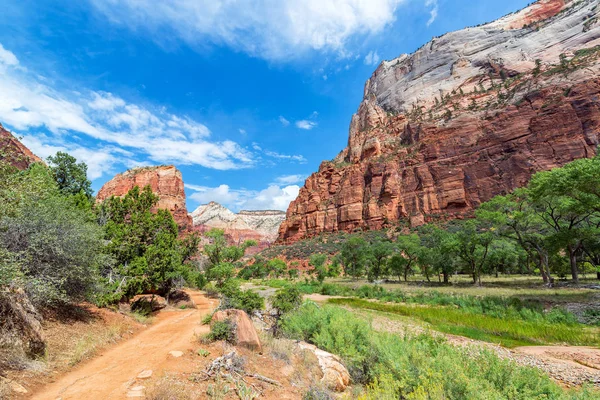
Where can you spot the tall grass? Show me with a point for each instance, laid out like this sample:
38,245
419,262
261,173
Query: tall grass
507,331
418,367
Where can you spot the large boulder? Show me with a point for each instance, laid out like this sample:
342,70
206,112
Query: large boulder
21,323
335,375
245,333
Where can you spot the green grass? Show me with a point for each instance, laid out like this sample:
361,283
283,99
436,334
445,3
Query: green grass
392,366
509,332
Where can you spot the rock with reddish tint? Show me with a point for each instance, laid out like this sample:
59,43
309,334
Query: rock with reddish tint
14,152
244,329
165,181
466,117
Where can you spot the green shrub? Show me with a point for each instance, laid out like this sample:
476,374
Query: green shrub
222,330
418,367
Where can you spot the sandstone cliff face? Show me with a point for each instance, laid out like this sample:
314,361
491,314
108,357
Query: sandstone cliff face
166,182
14,152
470,115
262,226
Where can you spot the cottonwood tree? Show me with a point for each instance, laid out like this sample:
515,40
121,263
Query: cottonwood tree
403,262
355,256
471,243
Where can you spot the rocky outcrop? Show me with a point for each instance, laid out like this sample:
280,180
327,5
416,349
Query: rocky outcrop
335,375
245,332
14,152
470,115
165,181
262,226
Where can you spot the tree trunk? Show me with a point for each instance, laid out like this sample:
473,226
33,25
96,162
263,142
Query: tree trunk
598,275
543,263
446,277
573,260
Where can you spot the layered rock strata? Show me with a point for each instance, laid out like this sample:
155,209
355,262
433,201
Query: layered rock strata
470,115
165,181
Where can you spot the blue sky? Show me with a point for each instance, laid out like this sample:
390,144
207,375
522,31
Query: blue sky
246,98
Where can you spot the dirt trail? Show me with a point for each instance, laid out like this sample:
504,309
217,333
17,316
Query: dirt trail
112,374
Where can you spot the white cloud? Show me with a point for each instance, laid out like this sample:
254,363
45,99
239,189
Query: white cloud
299,158
27,104
274,197
290,179
242,131
306,124
283,121
433,13
7,57
372,58
271,29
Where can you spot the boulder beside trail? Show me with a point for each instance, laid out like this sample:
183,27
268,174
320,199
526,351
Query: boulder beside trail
147,303
335,375
180,298
21,323
245,333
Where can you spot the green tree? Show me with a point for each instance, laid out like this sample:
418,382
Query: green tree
515,218
568,201
437,252
145,244
317,262
471,242
70,175
380,252
223,259
276,267
48,245
355,255
409,247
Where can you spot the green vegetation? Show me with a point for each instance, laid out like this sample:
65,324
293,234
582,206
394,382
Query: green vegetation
416,367
508,329
221,330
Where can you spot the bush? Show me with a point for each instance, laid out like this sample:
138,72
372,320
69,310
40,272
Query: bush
222,330
420,366
234,297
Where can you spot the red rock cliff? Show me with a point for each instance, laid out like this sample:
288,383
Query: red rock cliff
166,182
13,151
470,115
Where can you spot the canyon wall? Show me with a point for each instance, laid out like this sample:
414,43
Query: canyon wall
470,115
165,181
262,226
14,152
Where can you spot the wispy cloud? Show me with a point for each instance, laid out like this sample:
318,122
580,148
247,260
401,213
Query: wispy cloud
283,121
290,179
433,12
28,104
306,124
270,29
372,58
274,154
274,197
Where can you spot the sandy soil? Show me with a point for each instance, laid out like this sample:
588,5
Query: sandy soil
113,373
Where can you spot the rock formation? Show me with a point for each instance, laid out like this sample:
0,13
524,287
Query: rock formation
14,152
470,115
262,226
166,183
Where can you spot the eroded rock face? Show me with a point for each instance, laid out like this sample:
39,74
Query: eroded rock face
262,226
165,181
13,151
470,115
